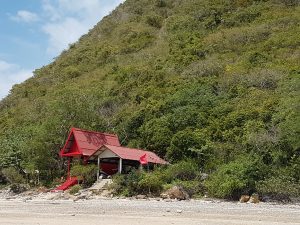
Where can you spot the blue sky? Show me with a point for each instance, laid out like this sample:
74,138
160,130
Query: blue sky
33,32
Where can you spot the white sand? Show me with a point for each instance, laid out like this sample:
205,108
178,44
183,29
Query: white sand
131,212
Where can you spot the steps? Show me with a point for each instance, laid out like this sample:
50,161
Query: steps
68,183
100,185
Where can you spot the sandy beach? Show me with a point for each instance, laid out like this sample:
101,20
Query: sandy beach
130,212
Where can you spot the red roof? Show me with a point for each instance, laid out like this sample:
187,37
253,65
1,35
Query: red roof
86,143
134,154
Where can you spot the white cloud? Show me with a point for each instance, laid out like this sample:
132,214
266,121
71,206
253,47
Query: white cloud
70,19
63,33
50,11
11,74
25,16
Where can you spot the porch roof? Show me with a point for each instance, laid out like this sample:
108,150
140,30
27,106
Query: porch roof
128,153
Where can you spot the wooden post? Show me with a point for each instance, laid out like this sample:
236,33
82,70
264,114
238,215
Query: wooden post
120,166
98,170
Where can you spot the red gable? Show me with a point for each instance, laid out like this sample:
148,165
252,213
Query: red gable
86,143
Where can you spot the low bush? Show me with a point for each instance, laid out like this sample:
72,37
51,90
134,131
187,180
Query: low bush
192,187
13,176
88,173
150,184
127,184
184,170
280,187
154,21
232,180
75,189
184,174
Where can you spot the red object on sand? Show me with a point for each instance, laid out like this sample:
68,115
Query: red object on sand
71,181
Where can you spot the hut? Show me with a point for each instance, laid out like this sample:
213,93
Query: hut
104,150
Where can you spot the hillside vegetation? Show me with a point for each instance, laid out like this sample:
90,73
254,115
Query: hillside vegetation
213,81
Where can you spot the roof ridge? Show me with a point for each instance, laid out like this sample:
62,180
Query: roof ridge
97,132
133,148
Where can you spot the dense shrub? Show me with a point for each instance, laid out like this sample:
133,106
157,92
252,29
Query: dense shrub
160,3
127,184
289,2
150,184
184,170
75,189
235,178
279,187
185,174
181,145
194,188
154,21
88,173
13,176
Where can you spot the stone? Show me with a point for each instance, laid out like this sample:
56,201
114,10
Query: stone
179,211
176,192
203,176
57,196
18,188
82,196
244,198
254,198
141,197
27,199
164,196
42,189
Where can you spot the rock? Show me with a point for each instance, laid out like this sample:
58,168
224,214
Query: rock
42,189
18,188
141,197
244,198
282,198
67,196
56,197
27,199
168,210
179,211
176,192
164,196
203,176
80,197
254,198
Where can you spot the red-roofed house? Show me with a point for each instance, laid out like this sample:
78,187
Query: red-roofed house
105,150
86,143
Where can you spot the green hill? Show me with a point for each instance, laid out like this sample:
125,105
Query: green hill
215,81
